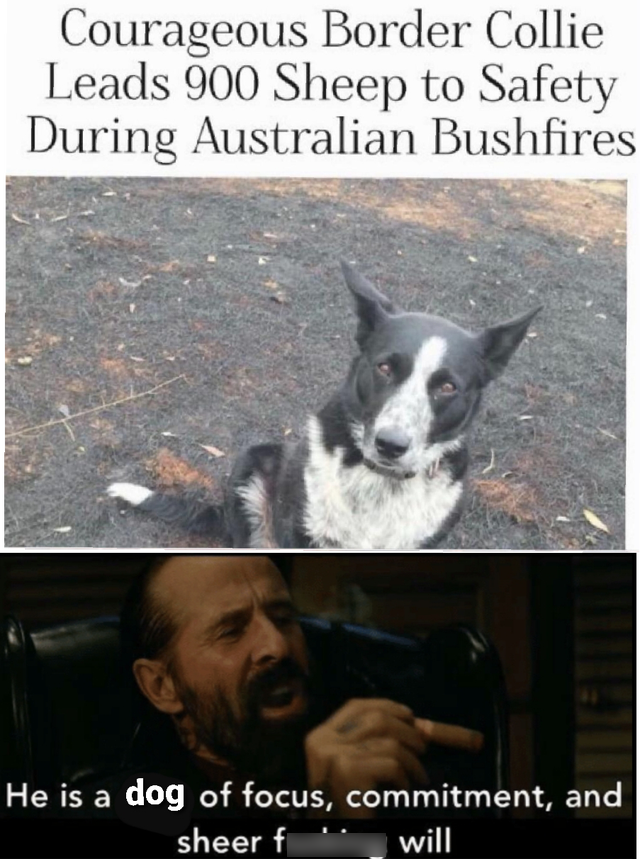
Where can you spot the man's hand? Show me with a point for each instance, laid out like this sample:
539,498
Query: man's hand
373,742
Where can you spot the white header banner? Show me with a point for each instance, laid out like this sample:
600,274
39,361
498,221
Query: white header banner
314,89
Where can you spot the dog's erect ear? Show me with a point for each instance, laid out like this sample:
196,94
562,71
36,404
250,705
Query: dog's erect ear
373,307
499,342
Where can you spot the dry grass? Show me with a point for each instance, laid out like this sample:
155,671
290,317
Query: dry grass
169,471
37,343
517,500
585,211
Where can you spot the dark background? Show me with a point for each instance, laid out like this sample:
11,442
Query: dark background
563,624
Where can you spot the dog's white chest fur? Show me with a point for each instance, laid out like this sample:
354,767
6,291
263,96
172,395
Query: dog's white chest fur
356,508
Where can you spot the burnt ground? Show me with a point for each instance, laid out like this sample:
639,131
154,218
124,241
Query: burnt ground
232,289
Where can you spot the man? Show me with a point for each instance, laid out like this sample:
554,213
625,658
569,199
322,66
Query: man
217,648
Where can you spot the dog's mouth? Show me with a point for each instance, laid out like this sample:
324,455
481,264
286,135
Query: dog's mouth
388,470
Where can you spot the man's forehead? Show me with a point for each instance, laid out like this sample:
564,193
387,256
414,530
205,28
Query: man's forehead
218,582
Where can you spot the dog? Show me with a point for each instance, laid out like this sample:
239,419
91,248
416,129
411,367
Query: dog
383,465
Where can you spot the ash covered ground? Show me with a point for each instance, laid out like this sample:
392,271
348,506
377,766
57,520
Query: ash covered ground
228,294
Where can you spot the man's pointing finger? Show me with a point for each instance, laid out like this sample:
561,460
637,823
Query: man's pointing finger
452,736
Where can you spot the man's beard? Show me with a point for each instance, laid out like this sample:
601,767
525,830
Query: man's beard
268,750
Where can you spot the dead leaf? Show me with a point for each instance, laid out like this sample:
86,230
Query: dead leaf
64,530
59,218
64,410
26,361
263,260
20,220
214,451
491,464
130,284
525,418
169,434
212,258
562,519
472,259
592,519
581,250
109,194
607,433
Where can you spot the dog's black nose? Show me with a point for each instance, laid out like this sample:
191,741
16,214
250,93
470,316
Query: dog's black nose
392,443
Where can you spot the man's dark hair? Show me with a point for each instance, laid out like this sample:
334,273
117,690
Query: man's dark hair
147,626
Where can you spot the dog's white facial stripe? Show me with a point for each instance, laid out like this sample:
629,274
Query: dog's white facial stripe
409,408
129,492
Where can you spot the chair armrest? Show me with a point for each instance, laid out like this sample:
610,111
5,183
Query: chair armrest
14,681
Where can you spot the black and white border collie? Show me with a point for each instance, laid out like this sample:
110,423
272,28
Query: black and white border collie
383,464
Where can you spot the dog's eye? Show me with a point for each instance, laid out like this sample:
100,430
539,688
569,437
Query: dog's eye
384,368
447,388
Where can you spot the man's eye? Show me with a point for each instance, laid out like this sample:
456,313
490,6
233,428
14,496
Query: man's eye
230,632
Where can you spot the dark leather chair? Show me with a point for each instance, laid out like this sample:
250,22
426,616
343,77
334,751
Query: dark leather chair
72,712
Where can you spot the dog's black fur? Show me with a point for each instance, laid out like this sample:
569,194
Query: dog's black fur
383,464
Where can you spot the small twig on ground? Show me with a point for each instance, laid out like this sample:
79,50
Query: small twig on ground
96,409
69,430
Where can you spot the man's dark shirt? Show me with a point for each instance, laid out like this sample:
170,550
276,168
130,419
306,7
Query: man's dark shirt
162,753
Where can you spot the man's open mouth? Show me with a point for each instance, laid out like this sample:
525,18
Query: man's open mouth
281,696
283,700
